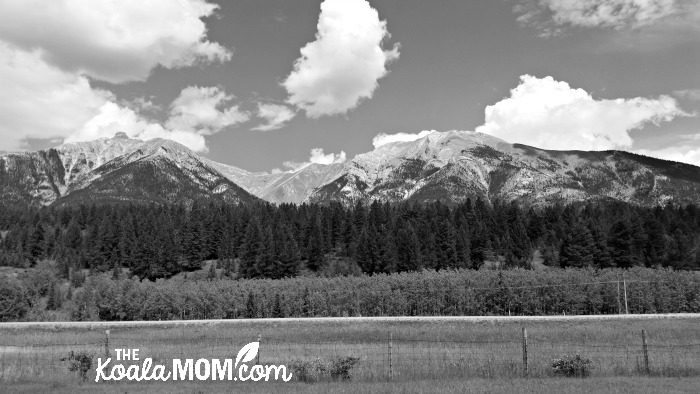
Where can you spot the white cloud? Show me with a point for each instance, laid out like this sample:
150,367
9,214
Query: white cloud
275,116
550,114
685,154
344,63
552,16
114,41
317,157
38,100
113,118
383,139
194,114
199,109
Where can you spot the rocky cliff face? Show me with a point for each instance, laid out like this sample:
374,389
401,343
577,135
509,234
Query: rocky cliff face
112,170
449,166
455,165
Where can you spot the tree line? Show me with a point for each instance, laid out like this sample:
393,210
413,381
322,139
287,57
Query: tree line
461,292
267,241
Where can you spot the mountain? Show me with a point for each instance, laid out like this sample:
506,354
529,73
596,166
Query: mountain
114,170
285,187
447,166
452,166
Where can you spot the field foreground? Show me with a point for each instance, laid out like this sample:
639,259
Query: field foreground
395,355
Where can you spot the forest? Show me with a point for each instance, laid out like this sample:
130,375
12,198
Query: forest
268,241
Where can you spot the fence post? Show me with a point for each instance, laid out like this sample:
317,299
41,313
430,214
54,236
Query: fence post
258,360
106,344
391,367
645,351
624,283
619,305
525,350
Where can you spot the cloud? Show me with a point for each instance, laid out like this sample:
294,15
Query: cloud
40,101
383,139
552,17
113,41
550,114
688,94
142,104
113,118
195,113
199,109
685,154
317,157
275,116
342,66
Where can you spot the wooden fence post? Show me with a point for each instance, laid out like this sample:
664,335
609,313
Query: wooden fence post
645,351
624,283
525,350
619,304
257,362
106,344
391,366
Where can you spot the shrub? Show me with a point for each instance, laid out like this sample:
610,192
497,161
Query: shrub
308,371
571,366
341,366
15,300
313,371
80,363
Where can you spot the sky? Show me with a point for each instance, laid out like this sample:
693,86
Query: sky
268,85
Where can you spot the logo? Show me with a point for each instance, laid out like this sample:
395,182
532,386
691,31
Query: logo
190,369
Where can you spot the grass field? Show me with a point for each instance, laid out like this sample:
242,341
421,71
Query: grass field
442,355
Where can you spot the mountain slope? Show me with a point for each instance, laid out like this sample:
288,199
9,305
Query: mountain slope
452,166
285,187
111,170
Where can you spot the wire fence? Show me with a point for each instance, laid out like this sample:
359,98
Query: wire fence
379,356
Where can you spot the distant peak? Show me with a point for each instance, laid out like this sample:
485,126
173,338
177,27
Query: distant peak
121,135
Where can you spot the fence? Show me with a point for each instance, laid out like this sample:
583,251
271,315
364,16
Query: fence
381,355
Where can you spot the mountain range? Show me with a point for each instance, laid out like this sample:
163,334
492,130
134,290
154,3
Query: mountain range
447,166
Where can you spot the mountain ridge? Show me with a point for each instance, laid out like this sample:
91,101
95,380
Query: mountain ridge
449,166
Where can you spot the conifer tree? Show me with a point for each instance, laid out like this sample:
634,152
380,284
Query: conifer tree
578,248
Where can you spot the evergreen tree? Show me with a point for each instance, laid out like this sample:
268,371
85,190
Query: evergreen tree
578,248
621,245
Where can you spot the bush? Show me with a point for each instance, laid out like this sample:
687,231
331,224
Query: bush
308,371
341,366
313,371
571,366
79,363
15,300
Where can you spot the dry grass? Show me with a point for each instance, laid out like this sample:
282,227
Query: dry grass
454,356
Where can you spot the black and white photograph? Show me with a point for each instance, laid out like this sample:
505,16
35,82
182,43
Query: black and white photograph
350,196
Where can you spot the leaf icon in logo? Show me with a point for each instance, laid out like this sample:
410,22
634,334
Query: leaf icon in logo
247,353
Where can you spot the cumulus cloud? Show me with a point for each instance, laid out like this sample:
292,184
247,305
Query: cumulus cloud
317,157
275,116
50,51
553,16
342,66
686,154
550,114
383,139
114,41
199,109
112,118
195,113
40,101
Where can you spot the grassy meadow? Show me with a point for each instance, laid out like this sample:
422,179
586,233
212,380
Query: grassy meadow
446,355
